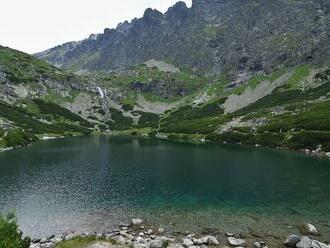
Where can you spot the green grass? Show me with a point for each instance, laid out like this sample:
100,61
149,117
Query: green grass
79,242
26,69
299,74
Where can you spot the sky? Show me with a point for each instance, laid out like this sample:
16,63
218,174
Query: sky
36,25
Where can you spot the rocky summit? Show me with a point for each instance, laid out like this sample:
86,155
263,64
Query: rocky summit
211,37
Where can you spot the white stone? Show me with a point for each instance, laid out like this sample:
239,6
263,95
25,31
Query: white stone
211,240
120,240
306,242
236,242
137,222
308,229
139,245
187,242
157,243
140,240
175,245
197,241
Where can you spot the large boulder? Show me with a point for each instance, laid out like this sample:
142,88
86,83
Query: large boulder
210,240
292,240
308,229
157,243
187,242
236,242
306,242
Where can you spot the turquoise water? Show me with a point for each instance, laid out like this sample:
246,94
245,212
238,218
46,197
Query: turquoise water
94,183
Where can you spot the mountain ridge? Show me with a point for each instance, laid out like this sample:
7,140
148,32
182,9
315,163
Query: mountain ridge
211,37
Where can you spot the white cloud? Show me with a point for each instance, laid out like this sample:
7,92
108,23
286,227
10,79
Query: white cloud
35,25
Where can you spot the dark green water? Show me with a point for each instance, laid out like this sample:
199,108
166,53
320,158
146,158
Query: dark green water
92,183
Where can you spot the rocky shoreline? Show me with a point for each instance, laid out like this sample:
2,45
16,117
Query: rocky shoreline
138,234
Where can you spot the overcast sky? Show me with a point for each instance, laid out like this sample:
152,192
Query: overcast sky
36,25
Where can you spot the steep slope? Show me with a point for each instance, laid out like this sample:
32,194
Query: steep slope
214,36
31,92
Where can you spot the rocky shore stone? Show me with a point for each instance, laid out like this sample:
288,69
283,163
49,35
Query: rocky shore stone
236,242
137,222
187,242
209,240
308,229
292,240
197,241
303,242
175,245
229,234
306,242
157,243
119,240
259,244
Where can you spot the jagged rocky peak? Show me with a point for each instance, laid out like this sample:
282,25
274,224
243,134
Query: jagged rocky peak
125,27
152,15
178,12
179,7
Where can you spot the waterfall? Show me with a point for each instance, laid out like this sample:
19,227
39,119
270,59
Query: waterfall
100,92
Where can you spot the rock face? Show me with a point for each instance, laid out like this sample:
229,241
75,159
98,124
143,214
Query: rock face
213,36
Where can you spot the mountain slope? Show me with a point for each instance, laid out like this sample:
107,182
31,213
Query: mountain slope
214,36
287,108
31,92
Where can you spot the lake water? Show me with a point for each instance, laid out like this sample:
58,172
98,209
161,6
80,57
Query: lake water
94,183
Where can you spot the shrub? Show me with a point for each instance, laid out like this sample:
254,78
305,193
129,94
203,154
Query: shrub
128,107
10,237
310,139
18,137
2,132
147,119
119,122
